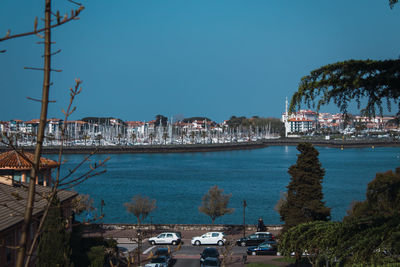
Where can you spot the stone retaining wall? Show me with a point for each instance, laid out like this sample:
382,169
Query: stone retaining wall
188,227
334,143
176,148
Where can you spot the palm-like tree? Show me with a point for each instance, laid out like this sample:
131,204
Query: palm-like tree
133,136
183,134
204,135
165,136
119,136
151,136
17,137
51,138
85,138
192,135
99,137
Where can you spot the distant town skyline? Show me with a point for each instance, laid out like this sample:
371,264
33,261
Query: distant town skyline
197,58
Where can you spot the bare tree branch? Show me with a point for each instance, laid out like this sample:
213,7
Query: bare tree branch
76,3
38,100
31,68
65,20
55,53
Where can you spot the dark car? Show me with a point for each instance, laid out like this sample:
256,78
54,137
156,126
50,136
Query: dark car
266,248
255,239
209,253
210,262
161,260
164,252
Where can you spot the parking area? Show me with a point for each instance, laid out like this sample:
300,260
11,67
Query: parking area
186,254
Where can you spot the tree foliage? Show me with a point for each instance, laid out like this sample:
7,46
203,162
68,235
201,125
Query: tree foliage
96,256
236,121
192,119
304,196
312,239
53,248
140,207
342,82
160,119
215,203
382,197
370,234
275,124
349,80
82,203
102,120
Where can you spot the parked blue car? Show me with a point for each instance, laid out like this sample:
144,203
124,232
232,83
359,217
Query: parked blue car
266,248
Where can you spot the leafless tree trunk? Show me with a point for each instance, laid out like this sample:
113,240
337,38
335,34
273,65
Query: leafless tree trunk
24,255
38,150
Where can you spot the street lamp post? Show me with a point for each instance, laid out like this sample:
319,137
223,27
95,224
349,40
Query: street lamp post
151,225
139,238
244,217
102,204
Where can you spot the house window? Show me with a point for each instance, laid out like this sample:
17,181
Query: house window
40,178
17,177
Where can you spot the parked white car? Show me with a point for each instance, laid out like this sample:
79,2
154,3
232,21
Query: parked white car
210,238
153,265
166,238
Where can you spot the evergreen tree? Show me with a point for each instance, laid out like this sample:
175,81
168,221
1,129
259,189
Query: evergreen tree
304,196
53,249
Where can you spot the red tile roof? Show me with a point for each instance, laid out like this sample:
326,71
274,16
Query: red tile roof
34,121
54,119
134,123
13,160
299,119
77,122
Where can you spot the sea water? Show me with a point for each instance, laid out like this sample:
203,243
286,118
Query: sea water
177,181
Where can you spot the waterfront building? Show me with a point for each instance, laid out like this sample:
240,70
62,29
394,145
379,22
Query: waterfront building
3,126
134,128
76,129
300,121
32,126
15,125
15,168
53,125
308,120
300,125
333,122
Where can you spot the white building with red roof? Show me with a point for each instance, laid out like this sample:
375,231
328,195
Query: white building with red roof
299,122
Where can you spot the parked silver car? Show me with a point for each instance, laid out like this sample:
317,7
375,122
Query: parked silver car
166,238
210,238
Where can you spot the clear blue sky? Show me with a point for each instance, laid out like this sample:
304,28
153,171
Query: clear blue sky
212,58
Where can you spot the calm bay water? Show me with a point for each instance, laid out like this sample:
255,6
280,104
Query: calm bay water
178,181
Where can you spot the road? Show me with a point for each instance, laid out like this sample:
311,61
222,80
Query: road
189,255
